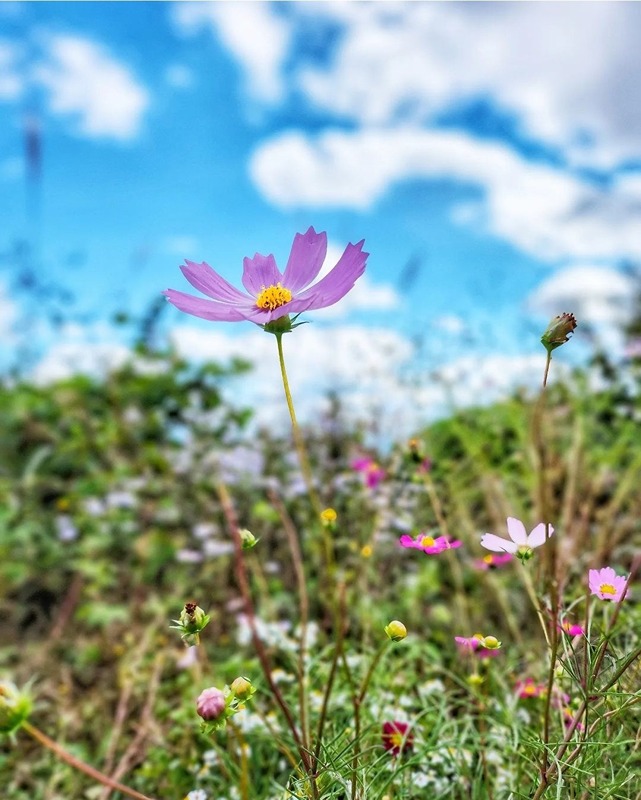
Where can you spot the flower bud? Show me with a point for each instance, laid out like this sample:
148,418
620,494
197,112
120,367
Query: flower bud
396,631
211,704
558,331
247,539
328,517
242,688
15,707
490,643
191,622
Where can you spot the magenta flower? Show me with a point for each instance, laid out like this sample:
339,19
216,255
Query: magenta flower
571,628
373,474
428,544
607,585
520,543
397,737
492,561
271,294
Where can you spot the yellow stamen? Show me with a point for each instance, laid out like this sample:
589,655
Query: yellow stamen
607,588
427,541
273,297
488,559
396,740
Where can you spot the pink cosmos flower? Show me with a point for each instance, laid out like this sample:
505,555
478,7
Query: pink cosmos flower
528,688
372,472
397,737
491,562
520,543
428,544
271,294
607,585
571,629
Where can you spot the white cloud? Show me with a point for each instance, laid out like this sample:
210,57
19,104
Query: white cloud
11,79
602,300
413,60
65,359
541,210
365,366
257,36
81,349
86,82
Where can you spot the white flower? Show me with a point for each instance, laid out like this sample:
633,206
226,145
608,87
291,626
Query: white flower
521,542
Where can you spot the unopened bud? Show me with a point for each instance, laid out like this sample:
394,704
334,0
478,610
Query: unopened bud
396,631
242,688
192,621
211,704
15,707
558,332
247,539
490,643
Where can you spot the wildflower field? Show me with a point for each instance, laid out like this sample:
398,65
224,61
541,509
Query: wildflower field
196,608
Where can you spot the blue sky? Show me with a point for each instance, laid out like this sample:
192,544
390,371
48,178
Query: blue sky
490,161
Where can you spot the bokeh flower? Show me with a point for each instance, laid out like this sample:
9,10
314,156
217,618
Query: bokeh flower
607,585
571,628
492,561
397,737
428,544
528,688
271,295
372,473
520,543
481,646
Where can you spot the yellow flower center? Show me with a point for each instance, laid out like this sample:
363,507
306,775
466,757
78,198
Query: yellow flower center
488,559
530,688
607,588
273,297
427,541
366,551
397,739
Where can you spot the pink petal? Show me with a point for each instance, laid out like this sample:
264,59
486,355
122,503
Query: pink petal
305,260
205,309
492,542
340,280
209,282
260,272
516,530
538,535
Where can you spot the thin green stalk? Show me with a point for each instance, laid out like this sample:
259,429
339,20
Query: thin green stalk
298,437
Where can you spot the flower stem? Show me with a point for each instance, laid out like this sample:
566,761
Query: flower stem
76,763
298,437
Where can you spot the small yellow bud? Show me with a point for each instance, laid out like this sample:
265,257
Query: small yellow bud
242,688
15,707
491,643
475,679
396,631
328,516
366,551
